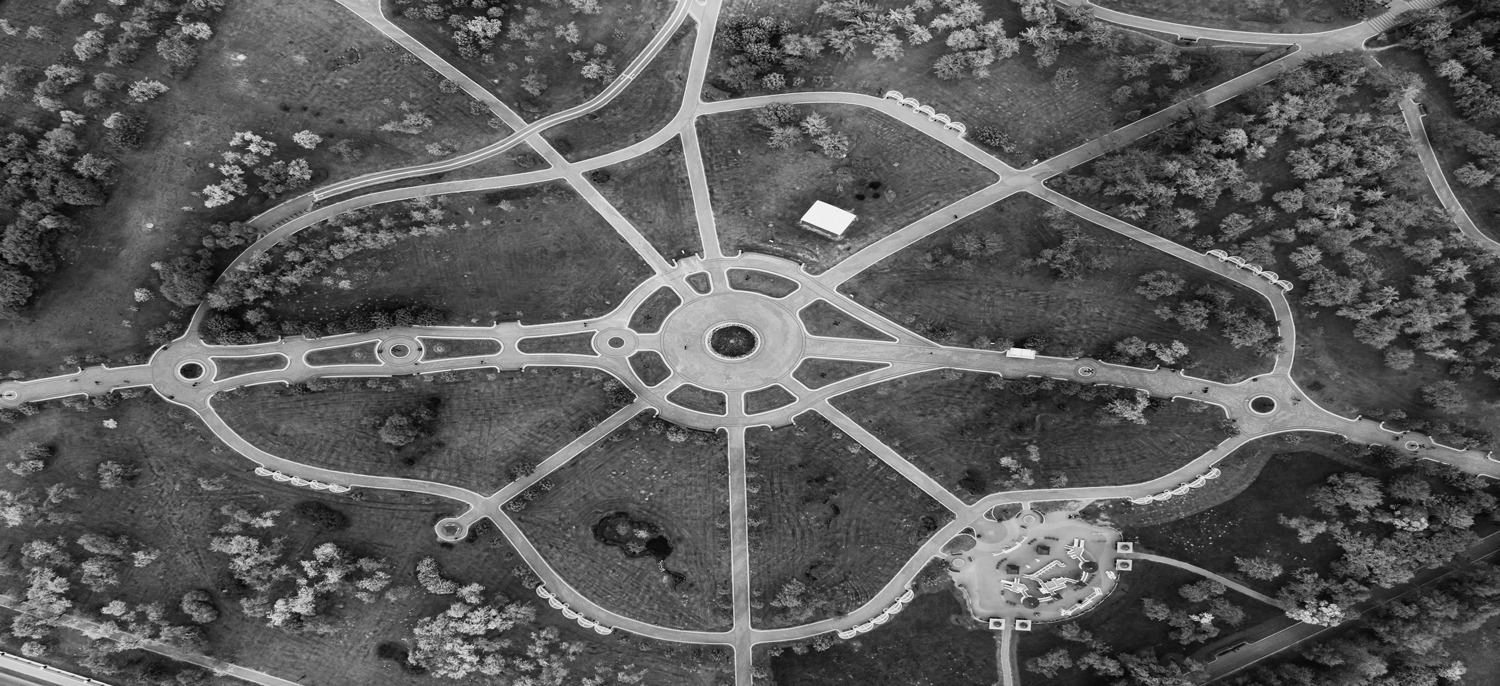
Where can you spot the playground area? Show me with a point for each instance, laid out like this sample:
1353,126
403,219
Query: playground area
1034,566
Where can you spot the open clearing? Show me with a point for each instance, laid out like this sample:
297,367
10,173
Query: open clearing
646,105
681,488
760,193
486,422
652,192
933,287
829,514
976,440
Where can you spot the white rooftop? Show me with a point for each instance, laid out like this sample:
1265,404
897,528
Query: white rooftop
828,218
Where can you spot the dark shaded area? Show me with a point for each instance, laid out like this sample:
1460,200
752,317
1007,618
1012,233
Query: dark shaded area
649,316
634,537
649,367
702,400
1262,404
571,344
322,515
359,353
767,399
191,370
732,341
754,281
700,282
816,372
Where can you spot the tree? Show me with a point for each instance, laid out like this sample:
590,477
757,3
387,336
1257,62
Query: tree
184,280
113,474
90,44
1258,568
125,131
32,458
145,89
399,430
1445,396
784,137
1049,664
307,139
15,291
1160,284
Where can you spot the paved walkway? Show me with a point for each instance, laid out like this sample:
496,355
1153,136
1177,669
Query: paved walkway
1412,112
785,344
1226,581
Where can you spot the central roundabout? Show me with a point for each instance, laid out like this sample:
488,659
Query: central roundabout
732,341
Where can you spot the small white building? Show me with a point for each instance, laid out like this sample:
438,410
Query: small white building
825,219
1021,353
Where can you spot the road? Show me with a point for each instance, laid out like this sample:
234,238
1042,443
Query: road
787,343
1412,112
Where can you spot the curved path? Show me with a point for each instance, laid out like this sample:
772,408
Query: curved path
1214,576
786,342
1412,112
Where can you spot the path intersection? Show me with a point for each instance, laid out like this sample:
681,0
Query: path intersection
186,371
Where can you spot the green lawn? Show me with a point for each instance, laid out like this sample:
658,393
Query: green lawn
623,29
244,82
962,432
486,422
680,487
652,192
760,193
647,105
1281,16
827,512
816,372
957,299
932,642
823,319
165,508
536,254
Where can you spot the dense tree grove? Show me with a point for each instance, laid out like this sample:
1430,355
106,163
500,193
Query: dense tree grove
533,35
1141,668
62,158
1351,225
1401,642
1420,515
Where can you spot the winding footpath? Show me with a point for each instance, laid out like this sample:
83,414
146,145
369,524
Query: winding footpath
188,371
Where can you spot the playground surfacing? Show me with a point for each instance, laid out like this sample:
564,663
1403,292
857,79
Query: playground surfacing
1034,566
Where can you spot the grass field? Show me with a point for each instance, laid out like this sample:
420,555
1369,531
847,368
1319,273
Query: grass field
570,344
767,399
448,348
550,258
228,367
828,513
648,365
648,104
623,28
1246,526
486,423
652,192
702,400
245,82
357,353
1301,16
764,283
1017,97
648,317
816,372
931,642
681,488
760,193
959,431
997,297
165,508
823,319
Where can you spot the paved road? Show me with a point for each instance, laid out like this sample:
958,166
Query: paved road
908,353
19,671
1439,180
